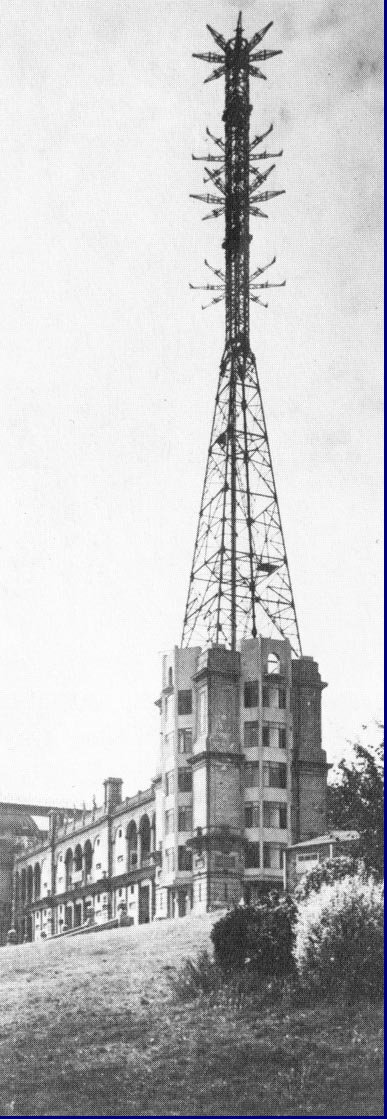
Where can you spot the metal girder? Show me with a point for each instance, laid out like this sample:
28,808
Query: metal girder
239,583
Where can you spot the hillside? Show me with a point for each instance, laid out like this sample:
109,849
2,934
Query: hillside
89,1026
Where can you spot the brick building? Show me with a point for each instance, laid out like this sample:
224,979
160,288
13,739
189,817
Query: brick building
242,775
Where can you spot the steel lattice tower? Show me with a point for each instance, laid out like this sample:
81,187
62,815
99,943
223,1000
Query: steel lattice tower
240,583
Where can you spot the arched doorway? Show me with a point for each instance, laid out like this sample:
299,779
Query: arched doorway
145,838
23,886
69,868
30,884
37,881
88,856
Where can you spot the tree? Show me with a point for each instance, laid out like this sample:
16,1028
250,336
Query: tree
356,801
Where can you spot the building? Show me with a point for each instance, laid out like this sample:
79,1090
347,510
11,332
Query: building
93,866
242,776
17,830
305,856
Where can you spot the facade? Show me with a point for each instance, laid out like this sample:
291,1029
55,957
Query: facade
93,867
17,830
242,776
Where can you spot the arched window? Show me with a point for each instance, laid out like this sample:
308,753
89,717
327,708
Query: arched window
78,858
69,867
273,664
132,845
119,833
37,881
145,837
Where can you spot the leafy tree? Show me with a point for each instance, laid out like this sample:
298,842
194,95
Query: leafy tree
356,801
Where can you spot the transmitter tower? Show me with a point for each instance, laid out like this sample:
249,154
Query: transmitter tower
240,581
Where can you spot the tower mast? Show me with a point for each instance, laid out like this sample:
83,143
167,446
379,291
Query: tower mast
240,576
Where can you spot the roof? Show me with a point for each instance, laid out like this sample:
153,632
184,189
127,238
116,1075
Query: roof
17,823
319,840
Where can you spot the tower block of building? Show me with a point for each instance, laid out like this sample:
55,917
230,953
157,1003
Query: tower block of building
243,769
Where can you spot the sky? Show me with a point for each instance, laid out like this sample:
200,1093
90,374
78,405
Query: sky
109,367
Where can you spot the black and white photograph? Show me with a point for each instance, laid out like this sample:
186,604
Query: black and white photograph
191,558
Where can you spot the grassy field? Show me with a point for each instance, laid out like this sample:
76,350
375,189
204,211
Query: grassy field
90,1026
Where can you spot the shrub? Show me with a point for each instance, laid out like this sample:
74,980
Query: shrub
329,871
339,938
260,936
196,977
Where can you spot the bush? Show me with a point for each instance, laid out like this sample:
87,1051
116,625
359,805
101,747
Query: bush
261,936
195,978
339,938
329,871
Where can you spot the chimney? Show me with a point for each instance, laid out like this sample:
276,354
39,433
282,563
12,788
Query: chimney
113,793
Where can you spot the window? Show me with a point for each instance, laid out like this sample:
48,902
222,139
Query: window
184,780
252,860
274,775
132,889
184,859
202,711
273,664
170,678
98,898
273,855
169,783
169,740
184,703
98,866
120,893
169,822
282,738
218,860
185,741
133,858
265,736
274,697
251,774
251,694
120,858
170,860
275,815
251,815
119,833
251,734
185,819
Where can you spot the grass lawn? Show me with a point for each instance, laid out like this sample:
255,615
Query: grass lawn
90,1026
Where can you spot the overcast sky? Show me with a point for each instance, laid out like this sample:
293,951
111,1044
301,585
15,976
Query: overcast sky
109,367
